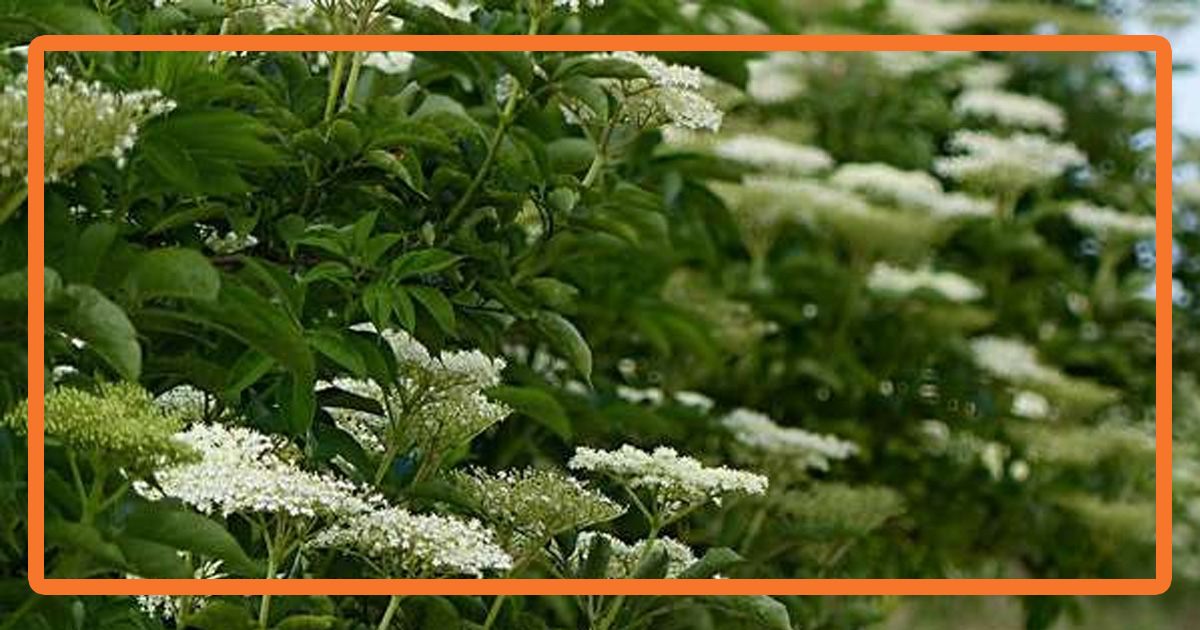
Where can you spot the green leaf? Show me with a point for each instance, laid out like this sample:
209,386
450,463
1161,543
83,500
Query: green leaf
377,303
587,92
346,138
599,554
179,528
423,261
334,346
308,622
174,273
570,155
764,612
246,371
220,614
403,306
536,404
600,67
151,559
714,561
553,293
85,538
438,306
105,328
395,167
567,340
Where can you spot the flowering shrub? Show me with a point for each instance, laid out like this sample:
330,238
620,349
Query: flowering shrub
595,315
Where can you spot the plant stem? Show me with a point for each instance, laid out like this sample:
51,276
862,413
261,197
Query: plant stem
264,608
493,612
21,611
593,172
335,83
385,622
352,80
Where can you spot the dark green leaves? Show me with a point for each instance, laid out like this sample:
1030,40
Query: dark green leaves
180,528
536,404
103,326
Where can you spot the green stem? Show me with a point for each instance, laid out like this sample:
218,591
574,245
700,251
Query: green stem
12,203
335,83
597,167
385,622
493,612
611,616
352,80
264,608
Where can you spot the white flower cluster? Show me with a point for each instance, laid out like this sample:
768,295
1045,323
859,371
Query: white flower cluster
908,189
655,396
1011,360
230,243
1108,222
184,401
807,449
168,607
389,62
888,279
84,121
535,504
404,544
1007,163
241,471
1030,405
460,10
985,75
624,558
772,154
670,96
1011,110
776,78
677,481
436,403
796,196
932,16
574,6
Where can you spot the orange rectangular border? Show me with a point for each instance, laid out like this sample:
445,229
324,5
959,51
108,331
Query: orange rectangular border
517,586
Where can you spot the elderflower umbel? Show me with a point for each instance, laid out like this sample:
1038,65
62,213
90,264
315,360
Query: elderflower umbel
1011,110
534,504
1007,163
573,6
436,403
624,558
118,420
84,121
669,95
402,544
677,481
772,154
776,78
1107,222
810,450
885,278
243,471
185,401
1010,360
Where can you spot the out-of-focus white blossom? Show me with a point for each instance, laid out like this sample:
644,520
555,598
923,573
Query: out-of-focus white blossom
1007,163
808,449
1031,405
460,10
574,6
772,154
389,62
932,16
917,190
885,278
694,399
651,396
1108,222
776,78
1011,110
403,544
1010,359
985,75
624,558
677,481
241,471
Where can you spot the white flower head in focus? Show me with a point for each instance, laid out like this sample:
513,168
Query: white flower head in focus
678,482
403,544
670,94
241,471
1011,110
624,558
